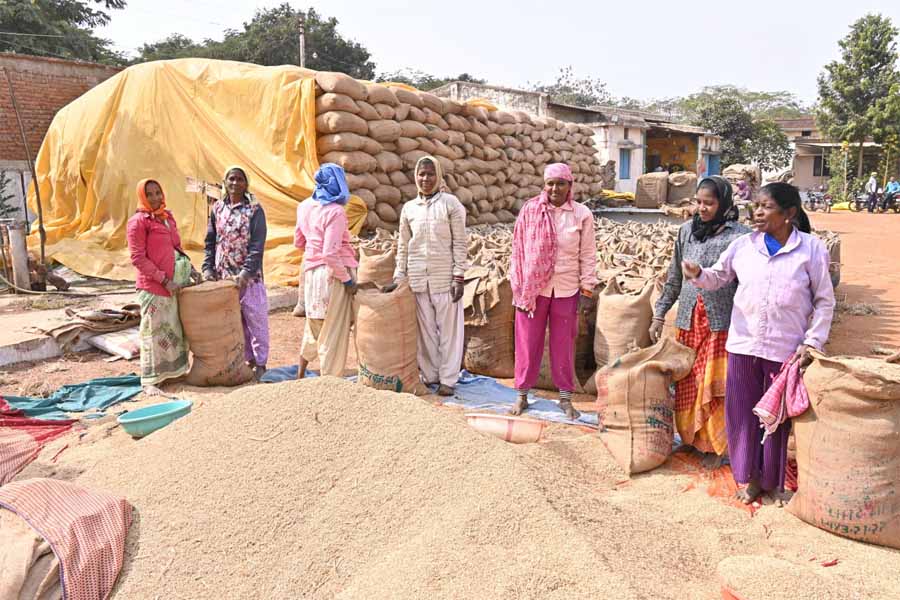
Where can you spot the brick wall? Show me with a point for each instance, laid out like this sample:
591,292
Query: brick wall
42,86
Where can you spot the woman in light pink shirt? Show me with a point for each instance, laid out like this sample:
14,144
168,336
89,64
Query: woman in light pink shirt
783,307
553,263
329,278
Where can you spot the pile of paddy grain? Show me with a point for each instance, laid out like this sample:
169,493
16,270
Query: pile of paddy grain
323,489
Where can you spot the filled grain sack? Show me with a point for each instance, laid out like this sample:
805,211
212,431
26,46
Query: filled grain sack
848,456
386,339
211,317
383,130
623,321
352,162
341,83
376,265
634,406
681,187
652,189
490,340
339,121
329,101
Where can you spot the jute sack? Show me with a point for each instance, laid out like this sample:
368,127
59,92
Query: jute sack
848,457
211,317
376,266
652,189
623,321
681,187
634,407
491,347
386,330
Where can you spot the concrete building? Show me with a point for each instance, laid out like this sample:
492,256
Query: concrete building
636,141
812,149
42,86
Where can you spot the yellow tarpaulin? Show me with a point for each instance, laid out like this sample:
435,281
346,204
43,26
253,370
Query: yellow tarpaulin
169,120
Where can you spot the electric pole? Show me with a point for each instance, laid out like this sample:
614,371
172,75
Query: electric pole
302,31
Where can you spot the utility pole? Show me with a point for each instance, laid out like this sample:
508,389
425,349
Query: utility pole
301,27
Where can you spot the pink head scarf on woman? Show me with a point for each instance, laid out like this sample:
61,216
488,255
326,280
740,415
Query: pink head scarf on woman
534,244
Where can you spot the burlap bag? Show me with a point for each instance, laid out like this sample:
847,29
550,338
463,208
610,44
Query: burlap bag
634,406
386,331
848,457
652,189
490,341
623,322
681,188
211,317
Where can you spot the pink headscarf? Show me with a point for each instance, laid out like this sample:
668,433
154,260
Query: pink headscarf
534,244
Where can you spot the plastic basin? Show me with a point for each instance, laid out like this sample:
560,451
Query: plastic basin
146,420
517,430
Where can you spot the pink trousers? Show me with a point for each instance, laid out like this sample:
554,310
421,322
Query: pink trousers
562,313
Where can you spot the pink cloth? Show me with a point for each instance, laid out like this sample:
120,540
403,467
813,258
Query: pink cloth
22,438
152,245
782,301
322,235
562,316
576,255
85,529
786,398
535,244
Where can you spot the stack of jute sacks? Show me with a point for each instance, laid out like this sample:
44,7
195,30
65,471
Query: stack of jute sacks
493,161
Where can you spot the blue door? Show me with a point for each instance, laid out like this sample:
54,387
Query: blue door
715,164
624,164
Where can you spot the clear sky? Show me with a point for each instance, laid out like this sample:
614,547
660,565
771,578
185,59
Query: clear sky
643,49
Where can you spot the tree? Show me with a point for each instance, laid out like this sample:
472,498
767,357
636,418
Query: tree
760,105
272,37
727,118
59,28
577,91
769,147
853,91
424,81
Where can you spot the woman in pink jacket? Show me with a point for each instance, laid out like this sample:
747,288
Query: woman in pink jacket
783,306
162,268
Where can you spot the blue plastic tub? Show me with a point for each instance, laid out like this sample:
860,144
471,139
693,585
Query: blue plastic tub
146,420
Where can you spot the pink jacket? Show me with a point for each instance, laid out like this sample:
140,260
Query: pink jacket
576,254
782,301
153,245
321,234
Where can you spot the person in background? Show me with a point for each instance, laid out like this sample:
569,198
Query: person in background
329,279
553,263
235,241
872,191
162,268
432,255
891,190
703,318
783,307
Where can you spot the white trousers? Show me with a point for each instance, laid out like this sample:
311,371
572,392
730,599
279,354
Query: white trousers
441,337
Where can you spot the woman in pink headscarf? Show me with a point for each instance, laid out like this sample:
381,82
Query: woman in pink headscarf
553,263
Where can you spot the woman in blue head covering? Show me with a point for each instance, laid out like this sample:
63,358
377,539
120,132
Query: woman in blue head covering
329,278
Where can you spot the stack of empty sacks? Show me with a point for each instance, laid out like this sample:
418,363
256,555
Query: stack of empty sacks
493,161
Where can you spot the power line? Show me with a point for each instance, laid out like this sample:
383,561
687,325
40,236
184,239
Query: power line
48,35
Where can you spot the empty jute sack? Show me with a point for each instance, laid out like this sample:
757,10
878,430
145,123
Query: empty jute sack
634,406
386,330
376,266
848,455
211,318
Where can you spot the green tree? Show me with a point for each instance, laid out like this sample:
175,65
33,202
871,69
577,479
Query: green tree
855,91
577,91
727,118
760,105
59,28
272,37
424,81
768,146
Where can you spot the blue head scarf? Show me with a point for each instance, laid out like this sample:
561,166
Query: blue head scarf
331,185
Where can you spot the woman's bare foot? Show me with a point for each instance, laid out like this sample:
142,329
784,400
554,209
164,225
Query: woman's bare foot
749,492
779,499
520,406
711,461
153,391
571,413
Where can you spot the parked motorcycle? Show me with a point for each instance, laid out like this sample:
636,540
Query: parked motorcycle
890,202
860,202
818,200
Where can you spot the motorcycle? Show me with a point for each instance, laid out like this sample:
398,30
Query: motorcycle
860,202
818,200
890,202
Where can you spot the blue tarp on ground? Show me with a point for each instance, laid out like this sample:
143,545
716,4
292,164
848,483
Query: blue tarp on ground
96,394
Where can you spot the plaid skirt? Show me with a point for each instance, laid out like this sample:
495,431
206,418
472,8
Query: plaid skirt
700,397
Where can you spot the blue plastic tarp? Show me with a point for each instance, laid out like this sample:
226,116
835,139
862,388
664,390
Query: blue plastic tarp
96,394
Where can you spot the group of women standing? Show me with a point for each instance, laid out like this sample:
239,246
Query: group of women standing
235,240
749,301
